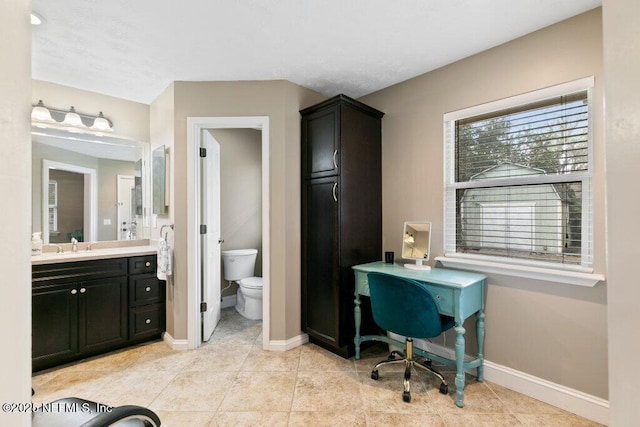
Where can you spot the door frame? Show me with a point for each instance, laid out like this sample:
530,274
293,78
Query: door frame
195,127
90,208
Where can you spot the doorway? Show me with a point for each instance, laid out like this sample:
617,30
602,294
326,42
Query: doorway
196,129
125,215
90,205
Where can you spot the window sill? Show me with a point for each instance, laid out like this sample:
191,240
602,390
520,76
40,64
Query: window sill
537,273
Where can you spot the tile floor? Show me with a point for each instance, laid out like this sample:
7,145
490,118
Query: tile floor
231,381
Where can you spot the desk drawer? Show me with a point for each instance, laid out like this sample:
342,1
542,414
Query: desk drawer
443,296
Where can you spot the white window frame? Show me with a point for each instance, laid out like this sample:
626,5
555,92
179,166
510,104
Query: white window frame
562,273
53,208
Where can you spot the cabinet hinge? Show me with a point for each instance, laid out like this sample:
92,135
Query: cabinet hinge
203,307
203,152
203,229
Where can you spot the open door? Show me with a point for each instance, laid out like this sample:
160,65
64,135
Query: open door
210,238
125,215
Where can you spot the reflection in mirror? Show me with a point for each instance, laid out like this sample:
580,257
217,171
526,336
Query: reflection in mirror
416,244
79,183
159,173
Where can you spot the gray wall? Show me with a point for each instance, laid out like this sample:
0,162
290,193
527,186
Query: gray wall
553,331
15,227
281,102
240,193
622,136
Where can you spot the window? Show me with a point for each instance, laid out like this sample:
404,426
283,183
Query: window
53,206
518,177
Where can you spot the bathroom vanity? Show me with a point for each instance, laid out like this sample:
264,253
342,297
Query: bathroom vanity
94,302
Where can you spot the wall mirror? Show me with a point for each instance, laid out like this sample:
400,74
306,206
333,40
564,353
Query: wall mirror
91,187
159,181
416,244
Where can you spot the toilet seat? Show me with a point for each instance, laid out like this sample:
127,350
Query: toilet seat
251,283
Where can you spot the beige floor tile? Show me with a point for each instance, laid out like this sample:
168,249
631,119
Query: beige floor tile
555,420
194,391
231,381
385,395
327,391
381,419
133,387
519,403
250,419
327,419
269,361
220,358
260,391
185,419
73,383
485,420
317,359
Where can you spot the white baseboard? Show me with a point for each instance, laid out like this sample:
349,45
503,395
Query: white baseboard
583,404
174,343
228,301
284,345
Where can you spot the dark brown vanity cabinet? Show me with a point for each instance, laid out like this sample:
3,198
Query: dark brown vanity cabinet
82,308
341,215
146,299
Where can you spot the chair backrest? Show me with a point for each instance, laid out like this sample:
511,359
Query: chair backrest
403,306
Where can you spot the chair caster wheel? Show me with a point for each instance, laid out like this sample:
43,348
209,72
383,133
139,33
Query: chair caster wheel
374,375
444,389
406,396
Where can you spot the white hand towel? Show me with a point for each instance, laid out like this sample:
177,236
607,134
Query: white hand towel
162,260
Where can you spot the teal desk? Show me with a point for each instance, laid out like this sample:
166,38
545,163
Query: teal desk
458,294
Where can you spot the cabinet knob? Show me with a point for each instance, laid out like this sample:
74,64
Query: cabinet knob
335,187
148,289
147,321
335,161
74,291
83,290
147,264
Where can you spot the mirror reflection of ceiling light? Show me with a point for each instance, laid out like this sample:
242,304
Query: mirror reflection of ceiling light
70,120
36,18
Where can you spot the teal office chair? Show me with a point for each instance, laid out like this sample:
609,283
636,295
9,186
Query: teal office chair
405,307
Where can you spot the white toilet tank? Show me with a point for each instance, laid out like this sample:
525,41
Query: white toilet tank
239,263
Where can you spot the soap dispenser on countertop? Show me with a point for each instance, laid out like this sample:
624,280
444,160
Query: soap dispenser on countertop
36,243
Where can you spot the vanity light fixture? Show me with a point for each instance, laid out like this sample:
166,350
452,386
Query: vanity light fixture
101,123
70,120
40,113
73,119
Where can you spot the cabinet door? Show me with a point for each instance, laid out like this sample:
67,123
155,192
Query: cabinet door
320,259
54,324
321,143
102,316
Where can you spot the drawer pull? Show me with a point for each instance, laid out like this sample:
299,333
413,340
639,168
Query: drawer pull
147,321
74,291
147,264
148,289
83,290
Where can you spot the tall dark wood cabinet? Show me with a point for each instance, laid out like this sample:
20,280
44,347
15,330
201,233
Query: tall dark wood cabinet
341,215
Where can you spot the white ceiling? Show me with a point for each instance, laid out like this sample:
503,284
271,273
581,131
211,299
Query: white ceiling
134,49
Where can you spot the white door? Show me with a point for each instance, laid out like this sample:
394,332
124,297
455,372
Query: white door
125,206
508,226
211,240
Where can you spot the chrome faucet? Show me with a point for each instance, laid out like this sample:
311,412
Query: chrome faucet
74,244
89,245
59,249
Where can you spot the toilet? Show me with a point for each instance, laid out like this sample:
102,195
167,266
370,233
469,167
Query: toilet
239,266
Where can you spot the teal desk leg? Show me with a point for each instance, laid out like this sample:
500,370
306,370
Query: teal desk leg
460,365
356,311
480,333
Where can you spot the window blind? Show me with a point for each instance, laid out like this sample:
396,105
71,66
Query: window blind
519,187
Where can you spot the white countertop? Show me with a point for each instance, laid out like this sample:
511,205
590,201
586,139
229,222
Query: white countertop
84,255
